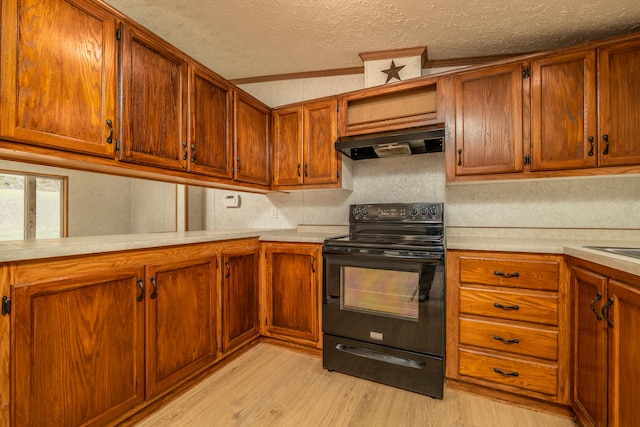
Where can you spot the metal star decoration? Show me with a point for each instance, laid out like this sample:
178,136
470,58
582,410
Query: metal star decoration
393,71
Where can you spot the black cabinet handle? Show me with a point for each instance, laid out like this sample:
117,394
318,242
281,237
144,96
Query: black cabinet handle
604,311
459,156
306,169
193,153
226,264
506,307
298,169
110,137
141,286
513,341
506,275
593,303
592,145
154,294
239,164
505,374
186,151
313,266
606,147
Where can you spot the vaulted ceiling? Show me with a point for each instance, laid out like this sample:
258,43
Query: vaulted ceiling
239,38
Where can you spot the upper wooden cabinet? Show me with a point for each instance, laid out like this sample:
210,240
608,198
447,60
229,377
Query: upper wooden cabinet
619,113
488,121
251,133
210,147
303,145
563,112
154,101
396,106
59,75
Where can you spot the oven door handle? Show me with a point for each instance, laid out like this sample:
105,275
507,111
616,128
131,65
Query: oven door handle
428,258
381,357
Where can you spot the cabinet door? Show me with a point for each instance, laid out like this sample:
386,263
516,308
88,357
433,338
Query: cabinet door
210,149
287,146
251,121
320,133
240,297
292,273
618,85
624,369
59,75
590,347
563,112
154,93
78,349
488,105
182,321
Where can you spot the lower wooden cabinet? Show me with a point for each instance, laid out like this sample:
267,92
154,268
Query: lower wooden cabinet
78,348
240,294
606,327
292,279
508,325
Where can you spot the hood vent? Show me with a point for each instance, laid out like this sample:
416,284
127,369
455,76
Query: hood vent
393,143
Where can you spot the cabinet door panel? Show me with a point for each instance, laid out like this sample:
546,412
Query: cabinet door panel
488,105
251,141
287,146
563,109
590,348
618,85
210,150
624,369
78,351
320,134
59,74
181,327
153,99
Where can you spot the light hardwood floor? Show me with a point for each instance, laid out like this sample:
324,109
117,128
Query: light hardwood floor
274,386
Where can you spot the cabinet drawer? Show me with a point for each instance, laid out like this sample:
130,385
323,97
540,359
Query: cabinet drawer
525,307
538,377
528,274
527,341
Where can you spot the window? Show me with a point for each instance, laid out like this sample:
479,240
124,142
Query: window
32,206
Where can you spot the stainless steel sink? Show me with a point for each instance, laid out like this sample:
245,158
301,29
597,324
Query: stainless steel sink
632,252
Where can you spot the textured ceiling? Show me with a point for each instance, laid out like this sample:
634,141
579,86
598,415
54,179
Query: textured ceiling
239,39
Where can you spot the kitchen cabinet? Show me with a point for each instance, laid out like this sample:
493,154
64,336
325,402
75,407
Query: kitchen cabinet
292,282
303,146
240,294
606,325
508,325
78,347
210,147
563,88
418,102
252,146
59,75
488,120
154,101
181,327
618,85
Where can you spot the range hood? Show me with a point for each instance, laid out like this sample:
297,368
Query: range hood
393,143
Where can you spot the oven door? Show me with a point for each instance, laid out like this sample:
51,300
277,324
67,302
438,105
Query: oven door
385,300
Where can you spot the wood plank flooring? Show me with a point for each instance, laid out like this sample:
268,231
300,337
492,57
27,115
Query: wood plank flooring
275,386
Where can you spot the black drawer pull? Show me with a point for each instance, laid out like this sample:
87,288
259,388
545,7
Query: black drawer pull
506,275
506,307
504,374
513,341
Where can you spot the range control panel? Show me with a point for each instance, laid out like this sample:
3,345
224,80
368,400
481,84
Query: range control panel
396,212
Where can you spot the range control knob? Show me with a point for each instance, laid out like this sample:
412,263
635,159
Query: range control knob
356,211
434,210
365,212
413,211
424,210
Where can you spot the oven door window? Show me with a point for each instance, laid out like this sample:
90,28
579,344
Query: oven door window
383,292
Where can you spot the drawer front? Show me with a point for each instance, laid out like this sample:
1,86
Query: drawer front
526,341
538,377
542,275
524,307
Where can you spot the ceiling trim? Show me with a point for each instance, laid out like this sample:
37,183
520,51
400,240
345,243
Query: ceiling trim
420,51
461,62
302,75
